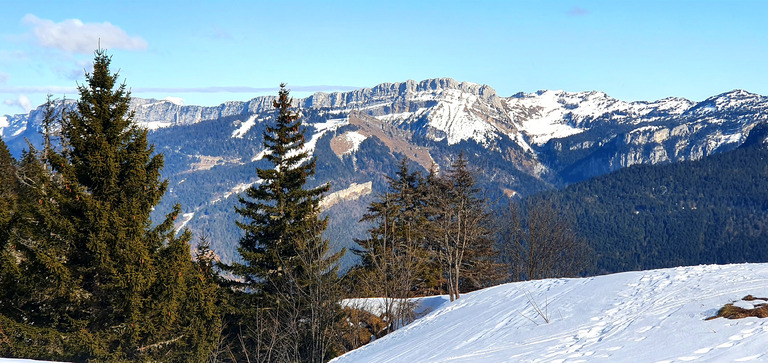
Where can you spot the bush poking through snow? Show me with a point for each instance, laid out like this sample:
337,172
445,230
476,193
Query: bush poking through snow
731,311
542,313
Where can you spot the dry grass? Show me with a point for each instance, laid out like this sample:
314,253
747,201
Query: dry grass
730,311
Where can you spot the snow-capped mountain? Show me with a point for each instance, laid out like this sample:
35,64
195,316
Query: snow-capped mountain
522,144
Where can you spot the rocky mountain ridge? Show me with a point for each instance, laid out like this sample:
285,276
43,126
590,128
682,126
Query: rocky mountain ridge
520,144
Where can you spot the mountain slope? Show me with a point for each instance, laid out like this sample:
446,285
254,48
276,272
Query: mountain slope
712,210
645,316
521,144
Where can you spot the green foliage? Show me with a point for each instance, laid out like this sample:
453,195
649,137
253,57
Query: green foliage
293,306
463,239
84,253
8,190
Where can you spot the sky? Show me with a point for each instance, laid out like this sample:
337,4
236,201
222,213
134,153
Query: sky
208,52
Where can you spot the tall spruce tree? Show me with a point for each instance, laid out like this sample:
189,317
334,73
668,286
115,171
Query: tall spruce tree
127,283
285,261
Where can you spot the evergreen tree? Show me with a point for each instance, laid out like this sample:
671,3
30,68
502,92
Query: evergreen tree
85,242
394,258
472,258
8,190
286,262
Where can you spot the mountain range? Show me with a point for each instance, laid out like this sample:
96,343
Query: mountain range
520,145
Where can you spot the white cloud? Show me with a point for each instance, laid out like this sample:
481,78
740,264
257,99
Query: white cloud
22,102
72,35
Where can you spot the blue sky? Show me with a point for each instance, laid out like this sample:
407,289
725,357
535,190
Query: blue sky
207,52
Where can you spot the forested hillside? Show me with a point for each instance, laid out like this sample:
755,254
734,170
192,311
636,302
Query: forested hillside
714,210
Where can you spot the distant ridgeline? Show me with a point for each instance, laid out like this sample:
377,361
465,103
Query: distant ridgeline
714,210
521,145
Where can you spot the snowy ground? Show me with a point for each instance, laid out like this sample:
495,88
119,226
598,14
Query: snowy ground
646,316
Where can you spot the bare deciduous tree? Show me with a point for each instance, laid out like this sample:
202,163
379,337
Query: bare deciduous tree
540,242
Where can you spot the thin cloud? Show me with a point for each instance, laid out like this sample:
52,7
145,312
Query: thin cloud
219,33
38,89
76,72
74,36
211,89
13,55
3,77
21,102
577,11
242,89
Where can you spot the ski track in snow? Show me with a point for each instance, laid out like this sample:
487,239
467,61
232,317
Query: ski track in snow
645,316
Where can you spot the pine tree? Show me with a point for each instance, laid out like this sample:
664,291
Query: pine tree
90,259
286,262
472,257
38,295
461,237
395,261
8,190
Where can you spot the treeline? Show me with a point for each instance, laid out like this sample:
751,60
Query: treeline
87,275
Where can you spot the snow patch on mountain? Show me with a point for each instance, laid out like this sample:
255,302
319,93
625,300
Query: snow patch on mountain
4,122
719,139
244,127
354,138
260,155
354,191
237,189
622,317
320,129
185,218
543,130
154,125
175,100
454,116
546,115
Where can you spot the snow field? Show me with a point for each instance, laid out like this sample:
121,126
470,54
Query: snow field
645,316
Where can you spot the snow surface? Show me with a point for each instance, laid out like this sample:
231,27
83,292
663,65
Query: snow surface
543,115
453,116
175,100
186,217
320,129
239,188
244,127
355,138
154,125
644,316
